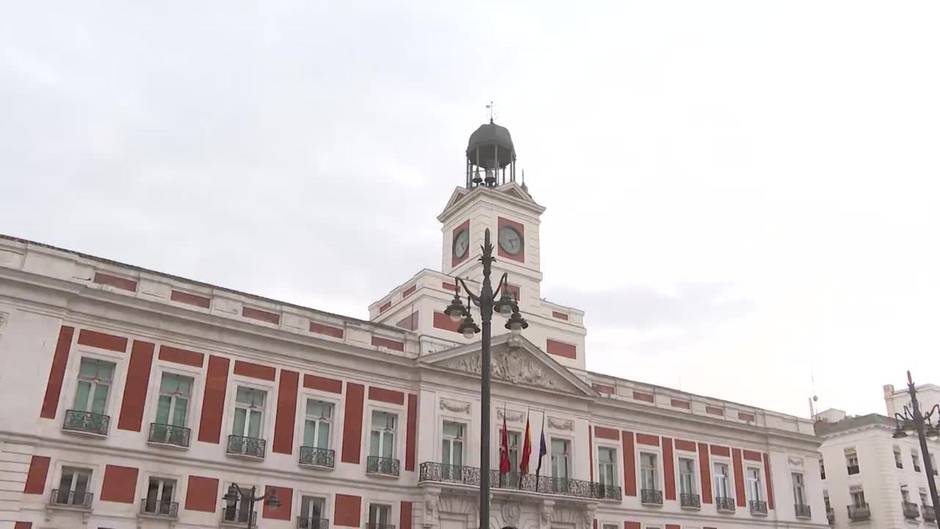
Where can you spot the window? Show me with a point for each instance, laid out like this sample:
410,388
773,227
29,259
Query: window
379,515
648,472
897,458
607,466
933,464
452,444
73,487
317,424
561,449
311,512
249,412
237,510
905,494
826,500
799,489
822,470
858,497
687,476
94,384
611,526
159,498
923,497
173,404
722,481
754,488
382,438
916,459
851,461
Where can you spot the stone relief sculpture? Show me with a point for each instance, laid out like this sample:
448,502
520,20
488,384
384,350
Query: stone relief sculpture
513,366
511,416
455,406
560,424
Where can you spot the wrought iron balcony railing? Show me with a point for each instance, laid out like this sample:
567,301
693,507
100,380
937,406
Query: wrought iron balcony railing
911,511
437,472
831,516
802,510
317,457
312,523
236,517
609,492
852,469
245,446
758,507
71,498
724,504
690,501
167,434
163,509
382,466
376,525
859,512
651,497
86,422
929,513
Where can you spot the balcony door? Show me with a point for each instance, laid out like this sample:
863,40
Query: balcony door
311,512
452,445
94,385
382,439
159,495
173,404
319,418
73,485
249,412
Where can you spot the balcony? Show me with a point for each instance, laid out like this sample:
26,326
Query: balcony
690,501
916,468
159,509
852,469
651,497
470,476
86,422
898,465
608,492
911,511
376,525
312,523
929,514
758,507
802,510
724,504
831,516
71,499
169,435
382,466
247,447
235,517
859,512
311,456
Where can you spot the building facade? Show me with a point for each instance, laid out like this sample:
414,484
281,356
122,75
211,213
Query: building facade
136,399
871,479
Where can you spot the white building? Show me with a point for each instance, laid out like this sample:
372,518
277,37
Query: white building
870,478
134,399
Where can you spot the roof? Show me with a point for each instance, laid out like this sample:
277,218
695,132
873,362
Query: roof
852,423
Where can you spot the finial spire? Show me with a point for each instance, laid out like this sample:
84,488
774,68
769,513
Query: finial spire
490,108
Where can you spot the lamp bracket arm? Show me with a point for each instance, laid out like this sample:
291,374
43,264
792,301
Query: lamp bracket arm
503,281
470,294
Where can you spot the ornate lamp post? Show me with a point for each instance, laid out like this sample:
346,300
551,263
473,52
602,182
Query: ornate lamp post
487,301
913,420
235,493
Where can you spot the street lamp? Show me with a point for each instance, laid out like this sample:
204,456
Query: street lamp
913,420
506,306
235,493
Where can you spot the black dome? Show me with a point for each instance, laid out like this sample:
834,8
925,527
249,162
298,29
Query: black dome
490,147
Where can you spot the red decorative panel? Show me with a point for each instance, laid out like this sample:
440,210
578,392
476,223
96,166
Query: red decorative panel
285,495
323,384
249,369
672,526
23,525
135,390
603,432
261,315
721,450
181,356
286,412
387,305
411,436
449,286
202,494
115,281
748,417
629,464
454,260
738,477
632,525
348,510
645,397
603,388
688,446
119,485
190,299
213,400
770,482
500,224
714,410
559,315
409,291
328,330
386,395
60,360
36,476
669,470
409,322
750,455
560,349
405,518
352,426
705,473
645,439
378,341
513,291
102,340
441,321
679,403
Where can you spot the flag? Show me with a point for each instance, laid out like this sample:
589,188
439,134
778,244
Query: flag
543,450
504,465
526,449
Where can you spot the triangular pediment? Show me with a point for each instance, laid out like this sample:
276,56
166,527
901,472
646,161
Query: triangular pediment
515,360
510,192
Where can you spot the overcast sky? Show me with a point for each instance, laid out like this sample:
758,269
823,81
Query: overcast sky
741,195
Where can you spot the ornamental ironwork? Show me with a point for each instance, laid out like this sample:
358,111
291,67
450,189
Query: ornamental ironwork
155,507
651,497
246,446
382,466
86,422
167,434
317,457
438,472
71,498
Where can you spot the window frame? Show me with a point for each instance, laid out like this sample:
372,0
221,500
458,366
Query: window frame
615,464
190,408
729,477
263,427
551,454
760,485
334,419
396,449
463,444
696,482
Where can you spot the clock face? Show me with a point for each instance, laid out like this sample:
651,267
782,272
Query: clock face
510,240
461,243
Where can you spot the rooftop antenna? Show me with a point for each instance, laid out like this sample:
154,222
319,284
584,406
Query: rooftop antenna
814,398
490,108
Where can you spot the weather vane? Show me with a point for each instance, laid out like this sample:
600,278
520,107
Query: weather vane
490,108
